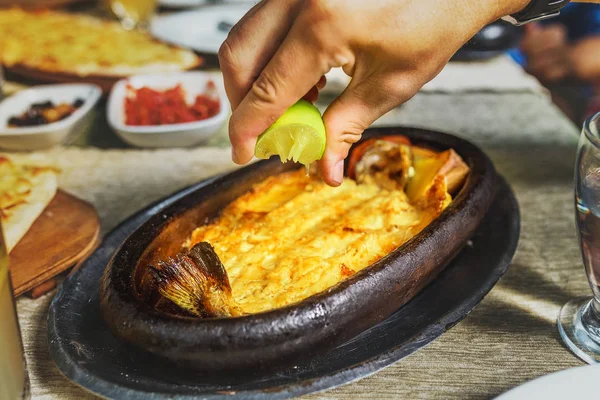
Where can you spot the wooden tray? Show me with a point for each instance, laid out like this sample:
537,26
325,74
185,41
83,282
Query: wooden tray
105,82
34,76
65,233
40,4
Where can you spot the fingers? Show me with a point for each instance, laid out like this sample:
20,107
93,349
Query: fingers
550,67
531,28
350,114
547,52
322,82
541,40
251,44
313,93
296,67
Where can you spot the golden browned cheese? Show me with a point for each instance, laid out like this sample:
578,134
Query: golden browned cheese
77,44
293,236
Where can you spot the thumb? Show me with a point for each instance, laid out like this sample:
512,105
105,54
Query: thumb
346,119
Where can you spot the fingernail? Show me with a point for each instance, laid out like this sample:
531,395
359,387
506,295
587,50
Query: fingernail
338,172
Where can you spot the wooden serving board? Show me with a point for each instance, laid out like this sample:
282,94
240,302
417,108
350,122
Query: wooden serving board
105,82
40,4
35,76
65,233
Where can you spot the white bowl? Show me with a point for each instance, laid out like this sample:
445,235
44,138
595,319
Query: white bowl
43,136
171,135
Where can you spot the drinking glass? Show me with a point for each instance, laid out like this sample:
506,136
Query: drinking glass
133,14
14,382
1,84
579,319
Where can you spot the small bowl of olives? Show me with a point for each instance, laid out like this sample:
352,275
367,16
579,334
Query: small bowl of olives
44,116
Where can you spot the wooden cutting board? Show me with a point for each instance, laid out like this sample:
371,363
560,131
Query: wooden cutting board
40,4
65,233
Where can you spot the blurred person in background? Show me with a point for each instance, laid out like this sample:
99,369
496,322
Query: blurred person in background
563,53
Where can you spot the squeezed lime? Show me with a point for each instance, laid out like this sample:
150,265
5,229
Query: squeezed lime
298,135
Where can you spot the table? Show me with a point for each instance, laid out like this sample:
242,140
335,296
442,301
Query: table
508,339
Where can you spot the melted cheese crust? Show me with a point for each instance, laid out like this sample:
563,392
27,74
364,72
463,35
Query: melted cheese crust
292,236
82,45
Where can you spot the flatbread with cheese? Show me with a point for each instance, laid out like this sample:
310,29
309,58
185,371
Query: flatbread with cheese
83,46
25,191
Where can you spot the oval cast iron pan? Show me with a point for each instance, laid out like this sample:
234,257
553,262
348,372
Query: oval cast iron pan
313,326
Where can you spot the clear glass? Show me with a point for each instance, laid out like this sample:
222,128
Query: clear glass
133,14
1,83
579,319
14,382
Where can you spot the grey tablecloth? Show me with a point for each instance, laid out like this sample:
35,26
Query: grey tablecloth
508,339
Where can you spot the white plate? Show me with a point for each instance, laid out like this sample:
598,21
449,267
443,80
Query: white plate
573,383
172,135
198,29
42,136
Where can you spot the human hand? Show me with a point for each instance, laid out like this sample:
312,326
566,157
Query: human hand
280,50
547,52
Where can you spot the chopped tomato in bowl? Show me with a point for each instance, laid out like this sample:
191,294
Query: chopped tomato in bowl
147,106
168,110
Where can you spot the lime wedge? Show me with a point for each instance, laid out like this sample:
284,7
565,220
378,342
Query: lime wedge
298,135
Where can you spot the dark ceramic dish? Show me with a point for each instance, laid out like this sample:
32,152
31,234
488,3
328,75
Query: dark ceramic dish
86,352
313,326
